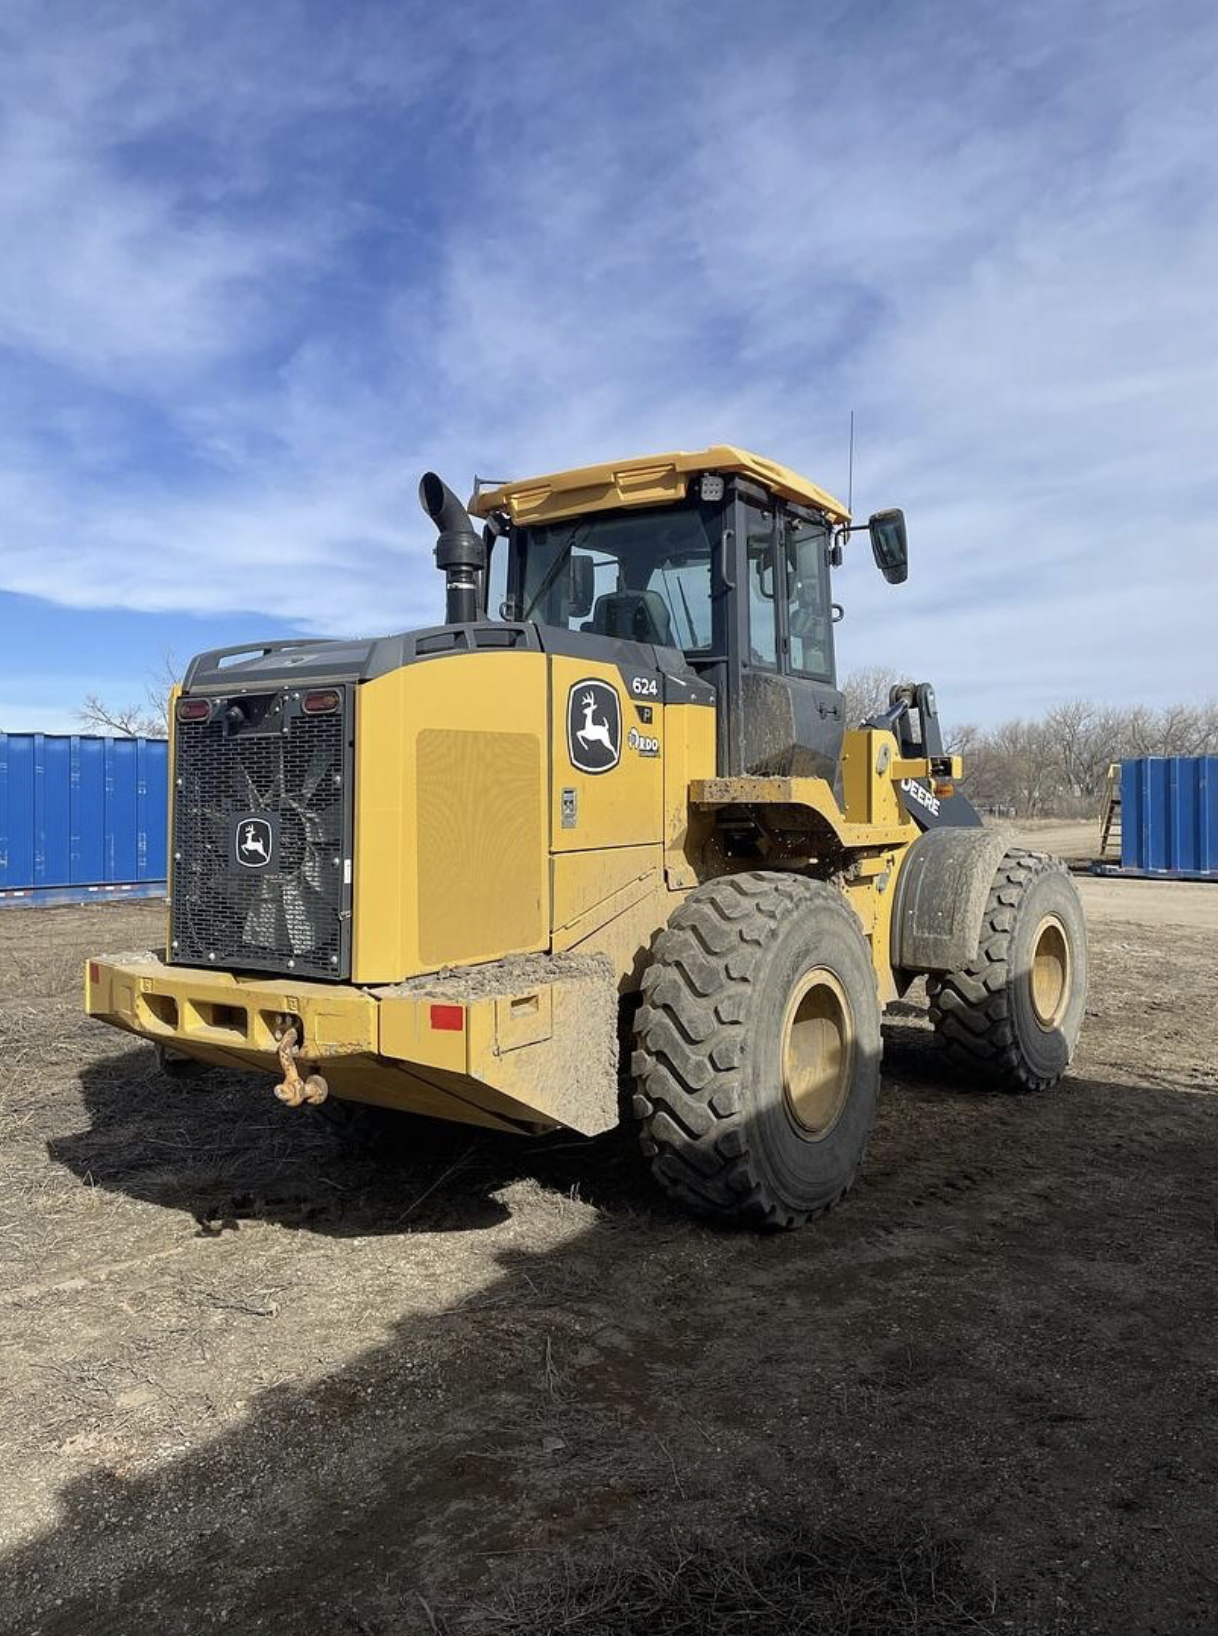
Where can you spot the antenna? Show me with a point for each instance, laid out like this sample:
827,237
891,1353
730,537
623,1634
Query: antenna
850,477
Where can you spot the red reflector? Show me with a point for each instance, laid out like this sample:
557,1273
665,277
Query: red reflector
94,972
450,1017
318,703
194,709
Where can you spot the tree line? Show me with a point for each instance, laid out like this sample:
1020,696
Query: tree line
1055,764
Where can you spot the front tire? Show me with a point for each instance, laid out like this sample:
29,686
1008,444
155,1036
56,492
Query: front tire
757,1060
1015,1013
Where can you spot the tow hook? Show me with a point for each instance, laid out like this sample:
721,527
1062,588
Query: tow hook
293,1089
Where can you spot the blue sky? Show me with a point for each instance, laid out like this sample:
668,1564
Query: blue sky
260,266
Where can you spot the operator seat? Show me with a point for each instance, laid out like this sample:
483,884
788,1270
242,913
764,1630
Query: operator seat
633,616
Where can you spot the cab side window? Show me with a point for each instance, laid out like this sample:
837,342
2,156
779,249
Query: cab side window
809,614
759,557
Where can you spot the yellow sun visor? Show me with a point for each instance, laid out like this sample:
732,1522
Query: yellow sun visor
645,480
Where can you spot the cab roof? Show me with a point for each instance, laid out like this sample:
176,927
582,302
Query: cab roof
644,480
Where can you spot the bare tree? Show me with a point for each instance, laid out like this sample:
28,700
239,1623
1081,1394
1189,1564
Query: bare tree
147,720
866,690
1082,738
1058,765
962,740
161,683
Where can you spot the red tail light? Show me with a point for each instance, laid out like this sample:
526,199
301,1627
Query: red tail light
448,1017
320,702
194,709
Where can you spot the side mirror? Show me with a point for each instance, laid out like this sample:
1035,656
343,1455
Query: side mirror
581,588
889,545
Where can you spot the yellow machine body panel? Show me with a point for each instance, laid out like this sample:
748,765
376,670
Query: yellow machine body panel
644,480
451,850
689,754
591,890
623,805
606,902
485,828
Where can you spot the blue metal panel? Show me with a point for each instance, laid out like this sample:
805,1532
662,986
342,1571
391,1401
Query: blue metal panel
88,810
81,817
1169,815
56,811
17,811
154,784
122,811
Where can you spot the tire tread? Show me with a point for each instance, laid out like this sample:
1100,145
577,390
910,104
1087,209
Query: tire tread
971,1008
691,1042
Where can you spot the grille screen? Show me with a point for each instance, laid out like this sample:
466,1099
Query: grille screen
261,841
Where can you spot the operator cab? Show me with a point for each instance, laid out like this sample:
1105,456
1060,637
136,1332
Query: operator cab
727,568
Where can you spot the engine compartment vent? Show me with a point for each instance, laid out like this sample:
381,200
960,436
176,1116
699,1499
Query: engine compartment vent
261,866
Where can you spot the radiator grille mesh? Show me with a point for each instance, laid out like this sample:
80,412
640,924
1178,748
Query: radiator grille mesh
296,916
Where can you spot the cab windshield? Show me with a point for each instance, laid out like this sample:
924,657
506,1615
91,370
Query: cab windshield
642,576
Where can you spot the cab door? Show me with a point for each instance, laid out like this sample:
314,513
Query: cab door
788,718
805,640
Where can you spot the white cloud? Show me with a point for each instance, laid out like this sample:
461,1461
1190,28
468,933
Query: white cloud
983,231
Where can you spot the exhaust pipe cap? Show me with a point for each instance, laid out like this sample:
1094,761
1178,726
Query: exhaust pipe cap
460,549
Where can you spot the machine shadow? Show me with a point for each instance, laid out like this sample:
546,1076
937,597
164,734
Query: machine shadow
622,1376
407,1481
221,1149
317,1513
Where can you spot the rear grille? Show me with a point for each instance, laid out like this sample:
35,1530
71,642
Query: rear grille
280,788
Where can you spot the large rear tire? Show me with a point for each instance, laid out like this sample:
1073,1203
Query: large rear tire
757,1049
1014,1014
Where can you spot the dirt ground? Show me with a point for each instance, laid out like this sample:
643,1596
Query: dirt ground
256,1380
1074,839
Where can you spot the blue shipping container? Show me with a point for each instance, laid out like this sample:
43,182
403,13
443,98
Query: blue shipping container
81,817
1169,815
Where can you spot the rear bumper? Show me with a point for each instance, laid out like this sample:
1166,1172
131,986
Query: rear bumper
518,1044
222,1016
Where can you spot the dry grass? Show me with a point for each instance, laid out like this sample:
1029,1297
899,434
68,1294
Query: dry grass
775,1579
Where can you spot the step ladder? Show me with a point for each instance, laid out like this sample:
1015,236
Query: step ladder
1110,816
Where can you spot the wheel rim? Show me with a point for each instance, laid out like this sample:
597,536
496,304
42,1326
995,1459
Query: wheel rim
818,1046
1050,972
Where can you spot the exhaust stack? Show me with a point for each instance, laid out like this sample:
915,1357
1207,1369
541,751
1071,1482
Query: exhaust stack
460,550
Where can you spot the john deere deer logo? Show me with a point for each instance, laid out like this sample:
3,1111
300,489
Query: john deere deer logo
255,843
594,727
593,731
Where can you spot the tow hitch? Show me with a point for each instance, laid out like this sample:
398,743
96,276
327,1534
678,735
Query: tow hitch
293,1089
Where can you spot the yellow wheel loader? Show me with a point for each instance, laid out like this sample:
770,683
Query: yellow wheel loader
612,798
